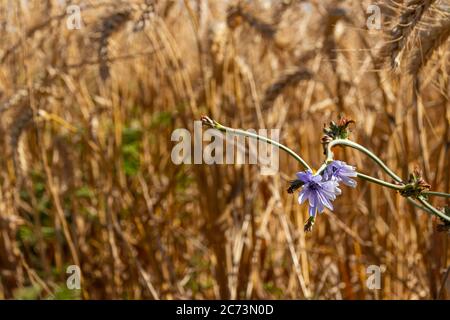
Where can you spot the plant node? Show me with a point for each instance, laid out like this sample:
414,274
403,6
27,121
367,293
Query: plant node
415,185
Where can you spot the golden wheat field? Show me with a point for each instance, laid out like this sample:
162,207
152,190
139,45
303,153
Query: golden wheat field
88,184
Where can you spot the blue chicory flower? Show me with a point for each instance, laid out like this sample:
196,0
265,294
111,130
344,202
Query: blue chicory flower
320,193
341,172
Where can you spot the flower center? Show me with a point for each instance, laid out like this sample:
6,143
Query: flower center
314,186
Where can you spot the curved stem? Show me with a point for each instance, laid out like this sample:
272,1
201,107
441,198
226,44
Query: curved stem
218,126
426,205
414,203
322,168
359,147
435,211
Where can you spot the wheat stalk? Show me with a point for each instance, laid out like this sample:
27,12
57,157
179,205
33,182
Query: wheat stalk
238,13
288,78
429,41
109,25
399,35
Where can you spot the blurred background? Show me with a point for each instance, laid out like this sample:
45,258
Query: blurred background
88,106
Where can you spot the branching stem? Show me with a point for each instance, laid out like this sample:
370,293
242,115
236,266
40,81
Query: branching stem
424,204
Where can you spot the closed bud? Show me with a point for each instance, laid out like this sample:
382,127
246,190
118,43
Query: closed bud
338,130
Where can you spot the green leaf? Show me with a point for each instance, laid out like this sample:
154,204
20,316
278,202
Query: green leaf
161,119
63,293
131,143
26,235
84,192
27,293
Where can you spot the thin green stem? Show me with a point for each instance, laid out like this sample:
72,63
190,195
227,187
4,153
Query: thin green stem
359,147
426,205
380,182
322,168
436,194
414,203
218,126
435,211
394,187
